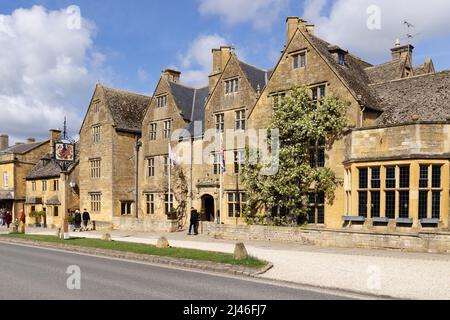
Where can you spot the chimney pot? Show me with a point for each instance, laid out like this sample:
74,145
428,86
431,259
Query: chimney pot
172,75
4,142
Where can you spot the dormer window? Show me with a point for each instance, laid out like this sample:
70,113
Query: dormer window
231,86
161,101
299,60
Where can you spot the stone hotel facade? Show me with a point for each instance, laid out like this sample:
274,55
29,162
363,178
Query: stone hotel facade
393,159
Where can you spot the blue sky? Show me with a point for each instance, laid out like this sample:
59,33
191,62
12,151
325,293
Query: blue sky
126,44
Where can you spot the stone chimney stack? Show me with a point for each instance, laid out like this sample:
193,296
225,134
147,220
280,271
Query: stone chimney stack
55,136
4,142
171,75
220,59
292,23
400,52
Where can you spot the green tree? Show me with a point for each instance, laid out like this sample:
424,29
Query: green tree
303,125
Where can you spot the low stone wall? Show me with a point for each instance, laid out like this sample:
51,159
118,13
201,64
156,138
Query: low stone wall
432,242
143,225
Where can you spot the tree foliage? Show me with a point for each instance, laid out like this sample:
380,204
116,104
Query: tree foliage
300,122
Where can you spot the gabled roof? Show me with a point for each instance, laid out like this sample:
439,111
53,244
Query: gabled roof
257,77
352,73
127,108
48,168
426,68
23,148
426,97
191,102
389,71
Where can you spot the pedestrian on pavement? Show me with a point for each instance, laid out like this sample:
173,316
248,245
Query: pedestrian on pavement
22,221
77,220
194,222
2,217
8,219
86,219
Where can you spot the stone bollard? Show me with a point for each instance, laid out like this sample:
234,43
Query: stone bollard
240,252
163,243
106,237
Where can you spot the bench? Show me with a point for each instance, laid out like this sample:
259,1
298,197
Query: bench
405,221
380,220
430,221
353,219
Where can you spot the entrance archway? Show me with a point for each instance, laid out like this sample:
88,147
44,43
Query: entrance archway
208,208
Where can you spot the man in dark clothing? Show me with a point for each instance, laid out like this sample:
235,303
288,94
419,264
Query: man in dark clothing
86,219
194,222
77,220
8,219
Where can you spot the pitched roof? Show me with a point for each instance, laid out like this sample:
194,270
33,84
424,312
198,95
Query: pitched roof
127,108
23,148
191,102
426,96
47,167
387,71
352,73
257,77
427,67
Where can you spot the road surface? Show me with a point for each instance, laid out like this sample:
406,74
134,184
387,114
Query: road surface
33,273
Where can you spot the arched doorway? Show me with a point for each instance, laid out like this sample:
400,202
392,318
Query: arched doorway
208,208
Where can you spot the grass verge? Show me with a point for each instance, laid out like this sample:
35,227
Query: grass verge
139,248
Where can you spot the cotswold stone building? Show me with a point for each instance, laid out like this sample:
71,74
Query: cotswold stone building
47,192
16,162
108,136
393,159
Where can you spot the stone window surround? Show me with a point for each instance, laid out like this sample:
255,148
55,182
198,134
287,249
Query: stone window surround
235,203
414,188
150,203
5,179
153,131
96,201
231,86
96,133
299,59
95,168
96,105
161,100
278,99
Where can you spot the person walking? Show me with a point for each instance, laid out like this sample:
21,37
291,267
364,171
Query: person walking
22,221
8,219
194,222
77,220
86,219
2,217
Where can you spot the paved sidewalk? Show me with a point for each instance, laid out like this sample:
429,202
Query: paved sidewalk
388,273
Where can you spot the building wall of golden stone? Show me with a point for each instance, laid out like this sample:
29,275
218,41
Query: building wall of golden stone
103,151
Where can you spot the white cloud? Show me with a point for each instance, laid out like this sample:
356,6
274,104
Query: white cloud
345,23
143,75
261,13
196,63
46,69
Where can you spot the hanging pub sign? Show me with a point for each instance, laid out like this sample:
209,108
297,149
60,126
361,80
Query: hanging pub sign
65,151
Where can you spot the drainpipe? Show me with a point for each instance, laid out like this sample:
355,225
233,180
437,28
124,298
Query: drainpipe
361,124
137,146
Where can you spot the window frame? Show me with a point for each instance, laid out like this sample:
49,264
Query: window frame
241,120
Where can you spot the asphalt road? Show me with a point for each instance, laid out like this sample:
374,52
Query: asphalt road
32,273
